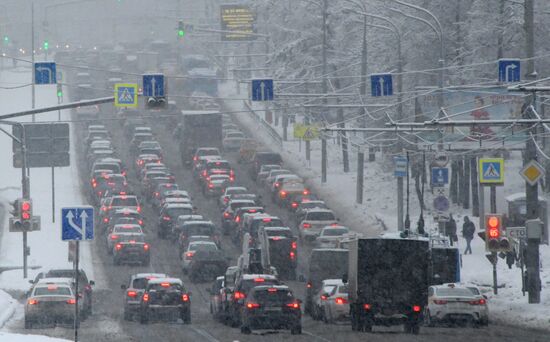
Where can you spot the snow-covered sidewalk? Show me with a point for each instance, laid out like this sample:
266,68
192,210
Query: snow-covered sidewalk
377,214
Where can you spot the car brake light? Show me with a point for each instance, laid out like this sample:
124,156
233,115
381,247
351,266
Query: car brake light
275,238
272,290
294,205
294,305
114,237
106,220
231,179
306,225
239,295
131,294
204,173
267,219
283,194
32,302
145,247
157,194
118,247
189,255
416,308
294,245
185,297
341,301
210,185
252,305
324,297
94,184
145,297
237,219
277,184
367,306
226,215
292,255
165,284
166,218
440,302
305,192
195,158
259,280
477,302
308,285
71,301
334,224
139,209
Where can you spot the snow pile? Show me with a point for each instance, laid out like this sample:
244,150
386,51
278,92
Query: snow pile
28,338
7,307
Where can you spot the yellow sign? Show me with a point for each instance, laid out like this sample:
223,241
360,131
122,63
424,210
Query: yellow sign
306,132
491,171
126,95
237,21
532,172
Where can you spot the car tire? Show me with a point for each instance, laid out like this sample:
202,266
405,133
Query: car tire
186,317
296,330
127,316
28,324
428,321
245,330
324,316
144,318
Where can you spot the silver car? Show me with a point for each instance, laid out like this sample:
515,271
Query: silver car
51,300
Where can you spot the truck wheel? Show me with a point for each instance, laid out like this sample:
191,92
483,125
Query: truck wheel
296,330
415,329
28,324
144,318
245,330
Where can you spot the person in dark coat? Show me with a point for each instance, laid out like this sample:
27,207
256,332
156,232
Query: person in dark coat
468,230
450,229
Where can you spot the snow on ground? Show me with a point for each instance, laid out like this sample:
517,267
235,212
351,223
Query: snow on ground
378,213
8,305
46,248
28,338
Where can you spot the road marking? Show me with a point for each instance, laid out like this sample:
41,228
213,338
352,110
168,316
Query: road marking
204,334
315,336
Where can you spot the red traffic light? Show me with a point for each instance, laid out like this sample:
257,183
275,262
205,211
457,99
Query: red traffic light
26,206
494,233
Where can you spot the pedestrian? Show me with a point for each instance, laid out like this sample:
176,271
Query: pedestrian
468,230
450,229
511,258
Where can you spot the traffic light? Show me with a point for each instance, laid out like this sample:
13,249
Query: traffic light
25,213
156,103
59,90
46,45
495,237
14,208
6,39
181,29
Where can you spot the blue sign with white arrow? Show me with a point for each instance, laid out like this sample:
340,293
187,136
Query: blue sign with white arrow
509,70
381,85
262,90
440,176
44,73
153,85
77,223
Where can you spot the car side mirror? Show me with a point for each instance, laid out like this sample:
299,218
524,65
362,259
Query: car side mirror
123,287
91,282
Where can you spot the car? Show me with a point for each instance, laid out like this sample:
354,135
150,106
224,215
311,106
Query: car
159,184
272,307
191,228
330,235
114,217
120,202
206,264
268,180
451,303
205,151
85,285
180,221
261,158
144,159
215,292
132,248
168,216
134,290
280,181
232,143
193,248
331,302
113,165
315,220
218,167
108,182
158,201
228,213
116,233
215,185
229,191
165,298
96,155
50,300
305,205
255,223
288,189
282,247
264,172
243,285
103,144
247,150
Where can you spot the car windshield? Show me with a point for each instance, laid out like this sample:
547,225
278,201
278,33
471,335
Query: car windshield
320,216
52,290
453,292
125,201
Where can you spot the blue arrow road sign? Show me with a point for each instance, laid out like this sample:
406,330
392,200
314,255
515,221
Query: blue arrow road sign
77,223
153,85
440,176
401,166
509,70
262,90
381,85
44,73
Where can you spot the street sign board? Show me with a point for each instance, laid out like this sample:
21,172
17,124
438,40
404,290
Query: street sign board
262,90
126,95
77,223
441,160
153,85
441,203
306,132
381,85
516,232
532,172
48,144
492,258
491,171
401,166
45,73
237,21
509,70
440,176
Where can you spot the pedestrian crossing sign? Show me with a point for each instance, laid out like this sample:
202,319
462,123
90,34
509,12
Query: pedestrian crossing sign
126,95
491,171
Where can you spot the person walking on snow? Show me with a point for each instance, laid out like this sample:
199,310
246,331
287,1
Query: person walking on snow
468,230
450,229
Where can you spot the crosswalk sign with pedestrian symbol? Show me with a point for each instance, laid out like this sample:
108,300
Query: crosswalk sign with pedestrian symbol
126,95
491,171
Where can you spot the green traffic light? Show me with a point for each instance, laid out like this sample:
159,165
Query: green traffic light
181,33
6,39
59,94
46,45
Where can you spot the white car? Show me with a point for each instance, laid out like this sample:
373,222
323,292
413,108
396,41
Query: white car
456,303
231,190
314,221
192,248
330,235
333,305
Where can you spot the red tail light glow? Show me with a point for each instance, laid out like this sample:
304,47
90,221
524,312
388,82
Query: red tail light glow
32,302
226,215
71,301
341,301
114,237
145,297
294,305
239,295
166,218
294,245
210,185
306,225
252,305
131,294
477,302
259,280
118,247
292,255
294,205
145,247
367,306
417,308
185,297
165,284
189,254
106,219
283,194
308,285
440,302
324,297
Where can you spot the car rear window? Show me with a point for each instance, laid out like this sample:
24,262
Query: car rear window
127,229
200,229
124,202
131,237
203,247
113,167
175,212
335,232
320,216
454,292
248,284
218,165
279,232
272,297
52,290
212,152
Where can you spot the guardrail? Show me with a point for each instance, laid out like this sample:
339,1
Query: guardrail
265,126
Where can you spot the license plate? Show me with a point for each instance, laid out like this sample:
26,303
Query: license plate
272,309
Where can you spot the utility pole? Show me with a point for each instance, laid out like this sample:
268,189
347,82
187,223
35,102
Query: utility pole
323,159
360,175
32,59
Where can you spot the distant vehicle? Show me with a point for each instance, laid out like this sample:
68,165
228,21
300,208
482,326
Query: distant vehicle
169,215
261,158
456,303
165,298
134,290
215,292
132,248
280,250
396,296
314,221
192,249
332,302
272,307
330,235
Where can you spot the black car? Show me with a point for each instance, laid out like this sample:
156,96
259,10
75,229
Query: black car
134,291
168,216
272,307
131,248
165,298
261,158
206,265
